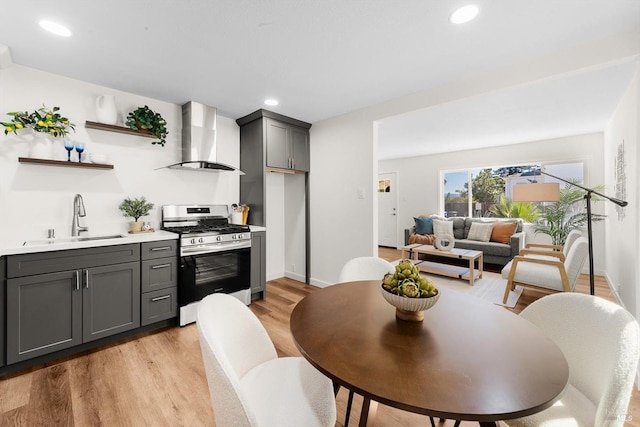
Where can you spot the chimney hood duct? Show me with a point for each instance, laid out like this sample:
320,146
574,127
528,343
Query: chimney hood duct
199,145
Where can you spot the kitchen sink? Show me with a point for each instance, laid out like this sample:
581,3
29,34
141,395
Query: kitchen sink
69,240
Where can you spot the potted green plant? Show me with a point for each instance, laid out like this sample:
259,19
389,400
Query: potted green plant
145,118
557,219
135,208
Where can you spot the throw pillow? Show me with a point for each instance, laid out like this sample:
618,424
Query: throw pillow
480,231
424,225
502,232
442,227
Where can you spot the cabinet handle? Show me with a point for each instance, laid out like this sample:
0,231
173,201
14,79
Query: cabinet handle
86,279
153,267
77,273
160,298
161,248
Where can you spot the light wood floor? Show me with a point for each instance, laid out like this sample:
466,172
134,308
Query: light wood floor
158,379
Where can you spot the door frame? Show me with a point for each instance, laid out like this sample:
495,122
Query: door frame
396,196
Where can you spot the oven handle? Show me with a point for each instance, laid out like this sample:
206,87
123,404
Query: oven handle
198,250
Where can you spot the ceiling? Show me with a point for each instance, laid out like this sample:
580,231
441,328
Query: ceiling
321,59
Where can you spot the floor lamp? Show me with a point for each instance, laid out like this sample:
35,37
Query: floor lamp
550,192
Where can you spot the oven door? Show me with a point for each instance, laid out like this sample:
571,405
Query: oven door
204,274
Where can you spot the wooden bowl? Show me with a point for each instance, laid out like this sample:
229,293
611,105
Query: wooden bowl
410,309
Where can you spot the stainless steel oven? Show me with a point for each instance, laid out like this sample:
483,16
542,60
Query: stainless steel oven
215,256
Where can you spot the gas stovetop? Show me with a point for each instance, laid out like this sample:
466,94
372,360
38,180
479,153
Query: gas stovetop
212,230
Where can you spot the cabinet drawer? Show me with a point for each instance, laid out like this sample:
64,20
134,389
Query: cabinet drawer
161,249
72,259
159,305
159,273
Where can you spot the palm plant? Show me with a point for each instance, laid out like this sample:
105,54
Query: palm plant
507,209
569,213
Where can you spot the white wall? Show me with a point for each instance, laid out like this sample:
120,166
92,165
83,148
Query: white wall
421,179
623,234
34,198
275,224
295,250
344,151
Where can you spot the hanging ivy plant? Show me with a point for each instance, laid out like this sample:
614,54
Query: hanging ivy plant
145,118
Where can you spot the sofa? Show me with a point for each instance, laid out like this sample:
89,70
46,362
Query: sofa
491,236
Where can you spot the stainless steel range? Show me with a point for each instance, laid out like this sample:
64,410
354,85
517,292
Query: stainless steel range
215,256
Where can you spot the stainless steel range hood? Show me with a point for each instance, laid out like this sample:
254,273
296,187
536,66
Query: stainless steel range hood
199,145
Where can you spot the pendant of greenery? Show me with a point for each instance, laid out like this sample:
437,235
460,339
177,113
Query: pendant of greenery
41,120
135,208
145,118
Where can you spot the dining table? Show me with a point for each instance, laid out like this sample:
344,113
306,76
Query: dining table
468,359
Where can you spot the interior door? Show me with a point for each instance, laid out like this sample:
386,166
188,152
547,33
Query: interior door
388,209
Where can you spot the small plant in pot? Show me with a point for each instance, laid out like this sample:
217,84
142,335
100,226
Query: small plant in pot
145,118
135,208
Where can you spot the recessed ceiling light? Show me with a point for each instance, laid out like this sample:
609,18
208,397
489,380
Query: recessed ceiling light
464,14
271,102
55,28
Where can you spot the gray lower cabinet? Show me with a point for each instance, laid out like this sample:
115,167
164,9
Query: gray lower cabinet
110,300
44,314
56,300
258,265
54,311
159,288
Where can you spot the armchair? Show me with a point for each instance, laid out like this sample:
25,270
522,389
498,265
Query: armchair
559,250
547,272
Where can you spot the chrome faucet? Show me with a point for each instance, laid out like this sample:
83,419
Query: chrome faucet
78,211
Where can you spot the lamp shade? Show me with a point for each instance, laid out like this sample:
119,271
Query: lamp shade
539,192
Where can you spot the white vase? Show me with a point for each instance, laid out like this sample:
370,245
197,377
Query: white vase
41,147
106,109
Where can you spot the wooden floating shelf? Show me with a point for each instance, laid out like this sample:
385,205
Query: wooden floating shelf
64,163
119,129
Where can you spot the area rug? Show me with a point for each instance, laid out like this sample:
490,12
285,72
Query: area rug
490,288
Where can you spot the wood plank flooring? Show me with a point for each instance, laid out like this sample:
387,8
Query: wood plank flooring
158,379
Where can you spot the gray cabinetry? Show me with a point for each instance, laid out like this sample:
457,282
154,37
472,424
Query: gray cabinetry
287,145
271,142
44,314
159,281
56,300
110,300
258,265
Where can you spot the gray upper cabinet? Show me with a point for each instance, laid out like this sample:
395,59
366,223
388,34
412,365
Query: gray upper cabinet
269,142
287,146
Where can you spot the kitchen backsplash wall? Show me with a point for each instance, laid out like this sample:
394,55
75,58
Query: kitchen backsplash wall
34,198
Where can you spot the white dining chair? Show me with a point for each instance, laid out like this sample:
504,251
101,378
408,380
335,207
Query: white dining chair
249,385
601,342
362,268
365,268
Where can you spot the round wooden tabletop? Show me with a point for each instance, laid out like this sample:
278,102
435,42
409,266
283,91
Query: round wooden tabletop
468,359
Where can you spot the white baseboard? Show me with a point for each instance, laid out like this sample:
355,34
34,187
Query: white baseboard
295,276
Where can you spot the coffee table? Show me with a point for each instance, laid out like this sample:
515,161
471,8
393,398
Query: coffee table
467,360
466,273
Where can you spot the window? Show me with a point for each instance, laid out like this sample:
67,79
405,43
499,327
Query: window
490,191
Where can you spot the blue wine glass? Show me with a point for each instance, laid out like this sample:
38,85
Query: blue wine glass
68,145
79,149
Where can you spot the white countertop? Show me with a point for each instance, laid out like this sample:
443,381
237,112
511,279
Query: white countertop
256,228
59,244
